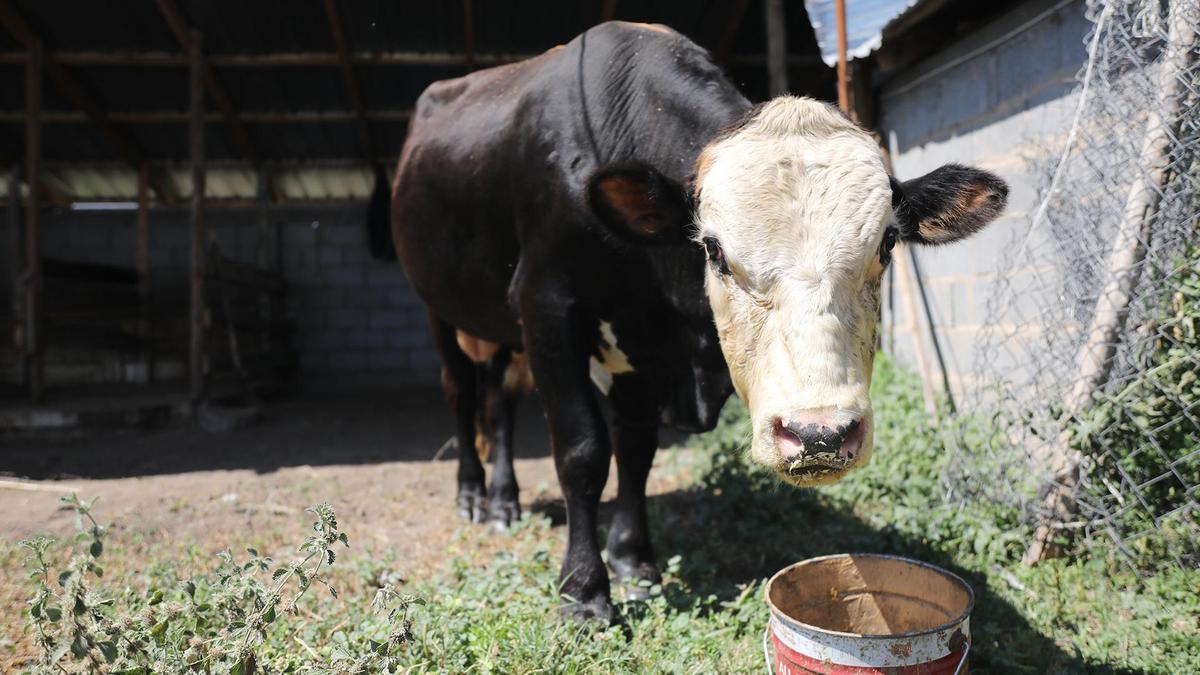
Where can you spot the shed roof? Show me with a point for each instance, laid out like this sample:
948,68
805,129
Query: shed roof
277,64
865,21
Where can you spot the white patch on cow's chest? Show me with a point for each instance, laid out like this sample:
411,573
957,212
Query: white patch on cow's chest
612,361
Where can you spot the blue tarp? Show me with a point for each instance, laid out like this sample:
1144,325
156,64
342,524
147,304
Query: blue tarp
865,20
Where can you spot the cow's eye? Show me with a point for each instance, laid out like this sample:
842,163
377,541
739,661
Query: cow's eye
716,256
889,243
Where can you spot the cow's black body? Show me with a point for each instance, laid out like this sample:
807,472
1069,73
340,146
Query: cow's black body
491,223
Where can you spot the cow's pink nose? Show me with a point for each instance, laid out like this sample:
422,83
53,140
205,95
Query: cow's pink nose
803,440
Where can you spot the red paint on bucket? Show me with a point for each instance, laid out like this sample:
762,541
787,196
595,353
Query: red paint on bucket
868,615
790,662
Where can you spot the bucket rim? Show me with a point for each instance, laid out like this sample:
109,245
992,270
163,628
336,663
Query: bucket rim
960,619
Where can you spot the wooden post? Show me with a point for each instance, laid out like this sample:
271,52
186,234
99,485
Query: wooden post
910,308
199,237
16,266
33,255
843,85
1128,248
608,10
469,33
267,256
143,268
777,78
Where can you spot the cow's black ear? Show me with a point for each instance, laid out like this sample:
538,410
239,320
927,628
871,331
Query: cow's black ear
636,199
947,204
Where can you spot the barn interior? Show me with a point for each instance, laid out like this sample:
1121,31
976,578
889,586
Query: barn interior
132,298
131,295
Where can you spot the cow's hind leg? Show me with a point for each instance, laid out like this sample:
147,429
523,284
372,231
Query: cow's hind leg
504,383
459,379
635,441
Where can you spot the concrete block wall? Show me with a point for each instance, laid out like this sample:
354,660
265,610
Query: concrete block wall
353,315
1000,99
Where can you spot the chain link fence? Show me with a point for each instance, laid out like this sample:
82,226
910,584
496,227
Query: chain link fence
1090,390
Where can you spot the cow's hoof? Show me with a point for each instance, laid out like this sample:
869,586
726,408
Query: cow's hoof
472,503
502,514
635,578
599,609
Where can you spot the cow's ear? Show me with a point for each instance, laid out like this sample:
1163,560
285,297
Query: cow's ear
947,204
635,199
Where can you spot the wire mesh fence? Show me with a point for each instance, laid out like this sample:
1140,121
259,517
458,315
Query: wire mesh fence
1091,349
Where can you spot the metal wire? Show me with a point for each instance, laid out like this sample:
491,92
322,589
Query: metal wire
1108,417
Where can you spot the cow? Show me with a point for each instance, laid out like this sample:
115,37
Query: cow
616,205
484,382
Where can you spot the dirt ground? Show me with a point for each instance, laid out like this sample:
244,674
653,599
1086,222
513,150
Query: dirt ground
367,452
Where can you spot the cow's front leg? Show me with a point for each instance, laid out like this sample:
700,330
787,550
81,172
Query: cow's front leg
635,439
557,341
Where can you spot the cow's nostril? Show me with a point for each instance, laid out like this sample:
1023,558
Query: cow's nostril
803,441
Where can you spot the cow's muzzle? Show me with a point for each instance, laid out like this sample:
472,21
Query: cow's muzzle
813,449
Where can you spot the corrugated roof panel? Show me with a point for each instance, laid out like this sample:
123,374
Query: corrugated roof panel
98,26
287,88
260,25
126,89
391,87
382,25
865,21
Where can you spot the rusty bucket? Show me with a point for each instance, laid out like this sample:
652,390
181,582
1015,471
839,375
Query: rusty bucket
866,614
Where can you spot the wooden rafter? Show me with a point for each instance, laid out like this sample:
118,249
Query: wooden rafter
338,33
196,87
182,32
32,324
330,59
733,24
469,32
74,91
608,10
181,117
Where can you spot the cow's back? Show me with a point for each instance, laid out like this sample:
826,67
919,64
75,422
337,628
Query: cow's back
496,161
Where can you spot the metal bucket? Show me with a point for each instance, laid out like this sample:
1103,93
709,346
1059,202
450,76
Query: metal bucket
866,614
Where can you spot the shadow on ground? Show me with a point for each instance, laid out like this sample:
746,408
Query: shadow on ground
360,426
729,534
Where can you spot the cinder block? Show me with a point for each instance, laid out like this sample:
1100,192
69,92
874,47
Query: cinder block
343,276
329,256
348,360
367,298
340,233
367,338
387,318
410,337
324,339
424,359
384,274
324,297
404,296
315,359
347,317
393,359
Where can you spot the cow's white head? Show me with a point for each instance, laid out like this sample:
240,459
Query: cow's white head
798,217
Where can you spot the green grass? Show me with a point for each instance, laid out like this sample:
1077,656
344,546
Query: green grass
718,537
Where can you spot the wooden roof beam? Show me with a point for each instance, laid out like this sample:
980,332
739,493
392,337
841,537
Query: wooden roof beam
338,33
182,117
74,91
183,35
331,59
733,24
608,10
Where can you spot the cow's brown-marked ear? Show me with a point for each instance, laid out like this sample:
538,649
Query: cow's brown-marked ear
947,204
635,199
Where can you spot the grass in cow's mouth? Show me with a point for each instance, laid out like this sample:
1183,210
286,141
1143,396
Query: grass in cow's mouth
728,526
